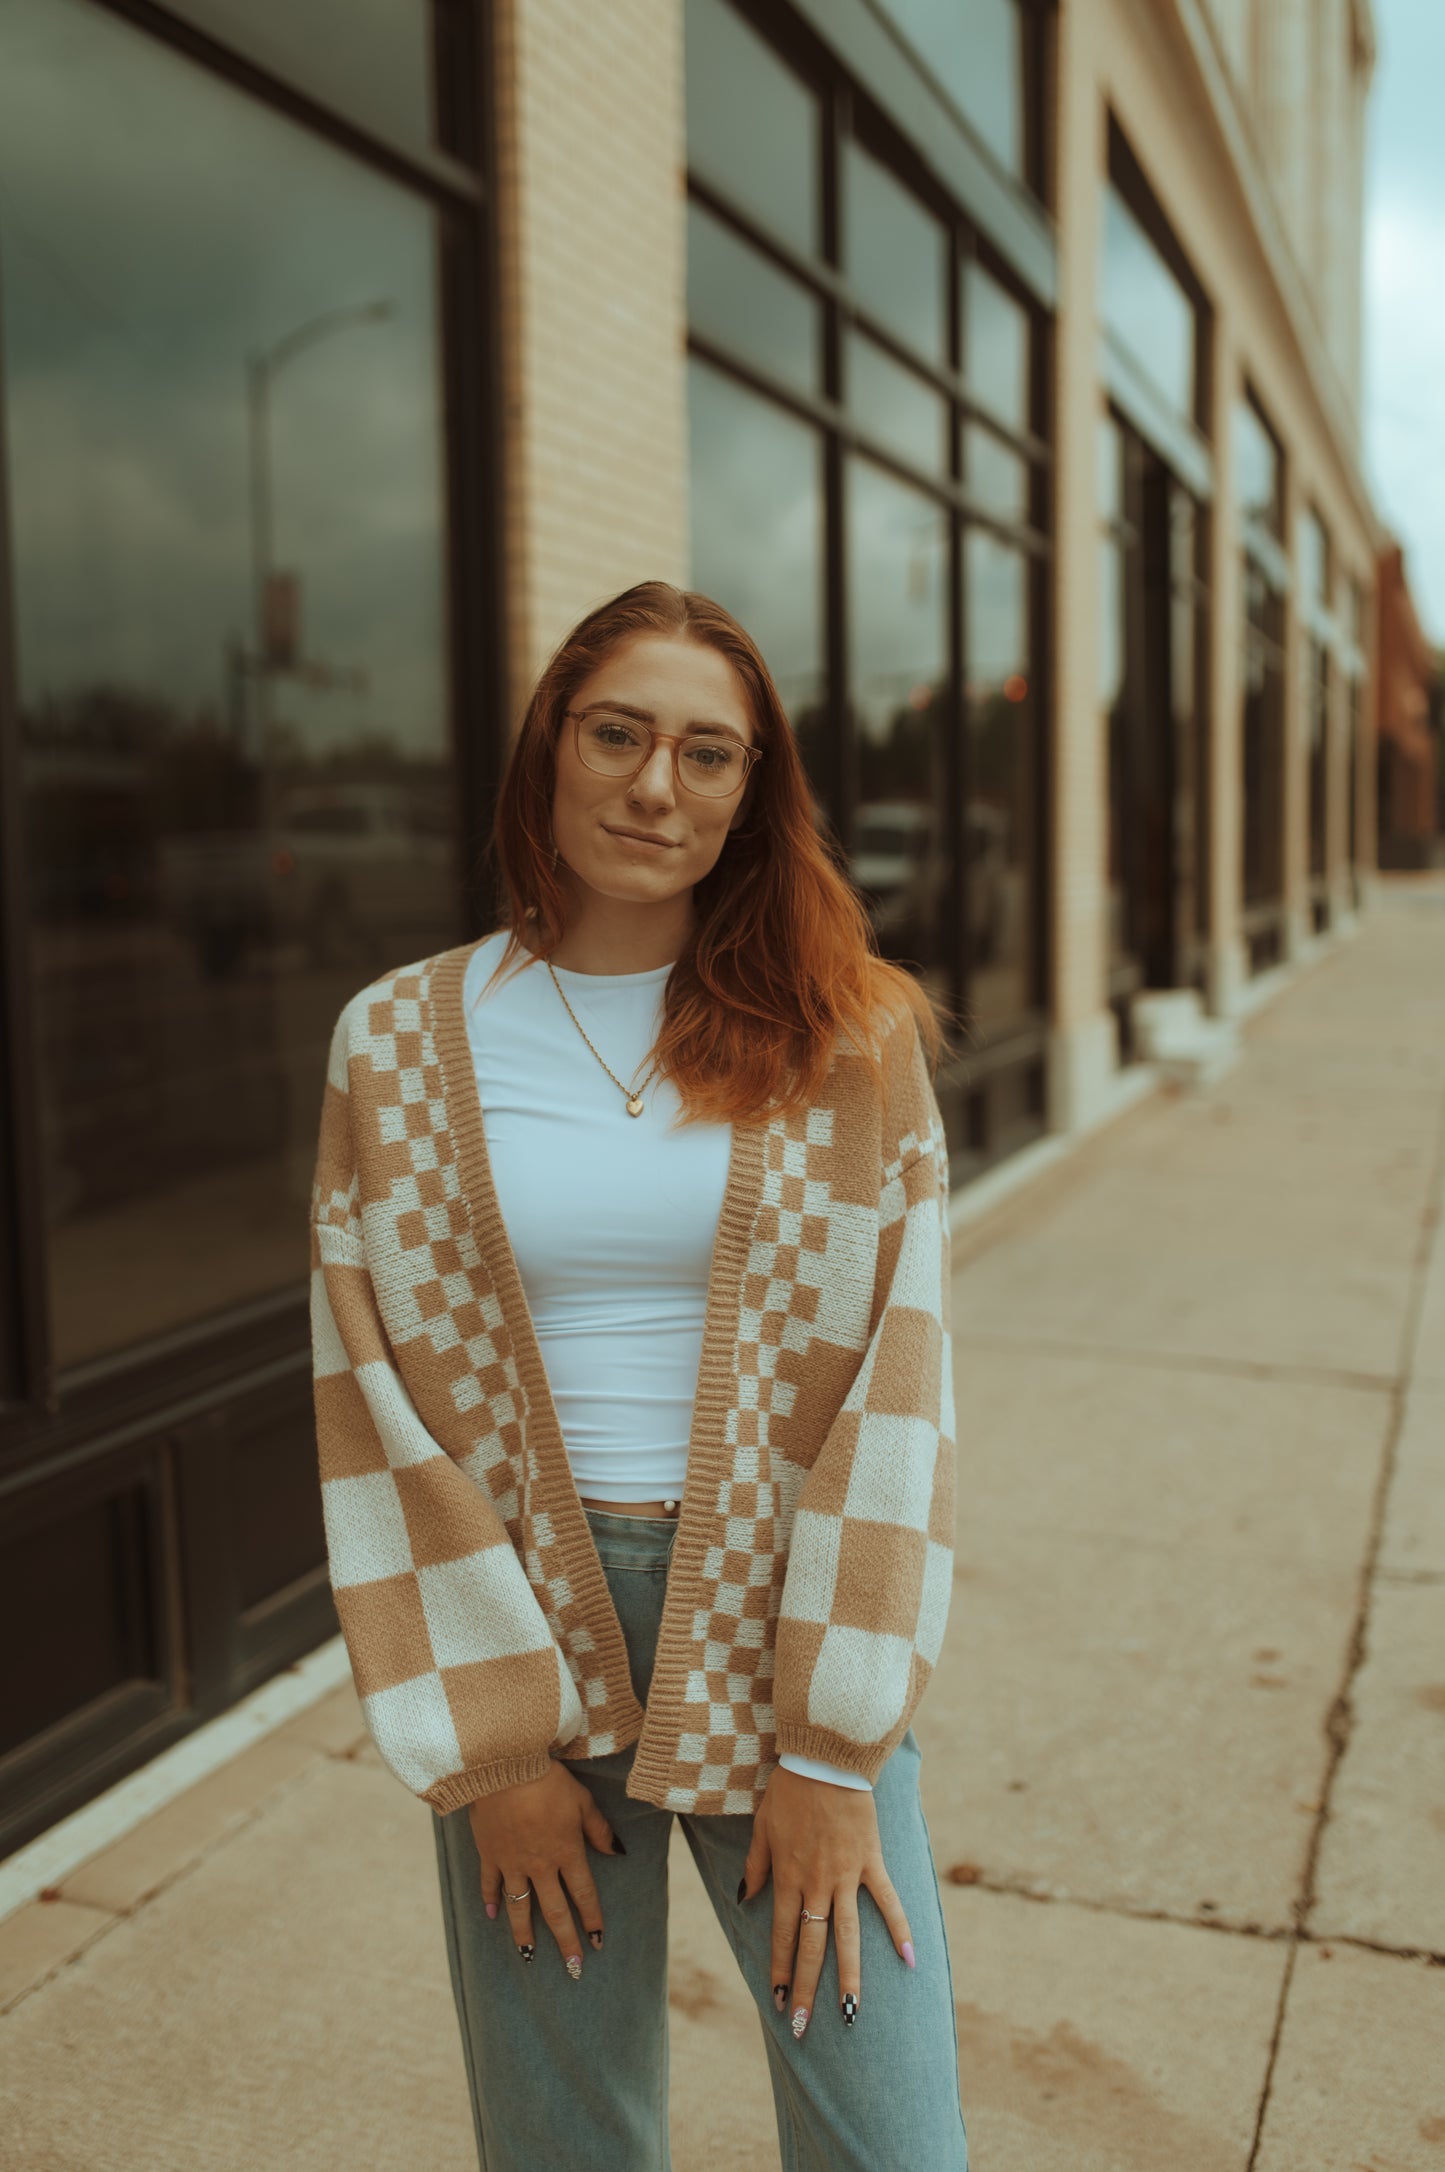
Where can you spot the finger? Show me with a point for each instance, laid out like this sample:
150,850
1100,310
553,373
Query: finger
558,1918
848,1945
519,1912
786,1910
492,1889
808,1966
584,1897
880,1885
597,1829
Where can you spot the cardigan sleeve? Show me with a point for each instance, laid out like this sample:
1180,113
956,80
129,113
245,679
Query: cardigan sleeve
870,1565
463,1686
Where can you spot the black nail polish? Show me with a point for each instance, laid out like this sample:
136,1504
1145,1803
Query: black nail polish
850,2008
596,1938
780,1996
742,1885
526,1952
617,1847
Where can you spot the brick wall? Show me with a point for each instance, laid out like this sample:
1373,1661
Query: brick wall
591,155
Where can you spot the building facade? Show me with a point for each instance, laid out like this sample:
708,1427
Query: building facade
997,362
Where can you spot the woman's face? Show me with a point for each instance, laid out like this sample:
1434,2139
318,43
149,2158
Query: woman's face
673,685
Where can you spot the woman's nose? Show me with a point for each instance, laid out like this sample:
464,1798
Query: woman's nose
654,781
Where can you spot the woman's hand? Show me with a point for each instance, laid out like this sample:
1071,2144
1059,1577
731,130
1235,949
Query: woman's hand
821,1842
529,1838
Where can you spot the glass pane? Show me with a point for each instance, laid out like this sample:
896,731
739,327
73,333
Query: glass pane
995,347
996,477
898,683
974,50
897,407
373,58
226,461
1000,818
1145,307
739,299
1314,559
757,534
1260,469
896,255
752,126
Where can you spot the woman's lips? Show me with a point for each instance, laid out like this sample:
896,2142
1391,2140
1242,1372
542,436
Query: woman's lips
651,844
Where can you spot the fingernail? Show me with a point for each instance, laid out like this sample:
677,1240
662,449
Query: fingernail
596,1938
907,1951
780,1996
800,2020
526,1952
742,1885
491,1908
850,2008
574,1965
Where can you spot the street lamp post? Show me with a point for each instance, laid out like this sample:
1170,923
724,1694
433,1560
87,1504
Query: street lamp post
260,370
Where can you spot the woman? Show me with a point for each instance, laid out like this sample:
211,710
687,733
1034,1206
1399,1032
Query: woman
635,1419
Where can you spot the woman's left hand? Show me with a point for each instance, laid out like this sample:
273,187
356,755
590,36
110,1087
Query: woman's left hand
821,1843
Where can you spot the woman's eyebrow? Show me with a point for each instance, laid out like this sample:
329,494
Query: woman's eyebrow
649,716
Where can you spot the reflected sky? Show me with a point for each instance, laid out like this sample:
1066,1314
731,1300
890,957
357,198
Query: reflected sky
156,228
1404,311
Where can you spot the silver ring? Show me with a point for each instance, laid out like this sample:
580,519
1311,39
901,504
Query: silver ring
809,1917
527,1895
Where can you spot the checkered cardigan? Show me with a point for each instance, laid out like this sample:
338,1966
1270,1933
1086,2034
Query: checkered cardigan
812,1565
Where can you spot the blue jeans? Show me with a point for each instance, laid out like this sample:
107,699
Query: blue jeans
564,2074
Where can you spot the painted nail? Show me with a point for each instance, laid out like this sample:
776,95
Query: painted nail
780,1996
907,1952
596,1938
491,1908
850,2007
742,1885
574,1965
800,2020
526,1952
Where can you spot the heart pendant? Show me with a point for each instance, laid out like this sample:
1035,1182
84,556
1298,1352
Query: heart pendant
634,1106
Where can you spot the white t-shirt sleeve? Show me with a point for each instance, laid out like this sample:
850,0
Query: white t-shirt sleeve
816,1768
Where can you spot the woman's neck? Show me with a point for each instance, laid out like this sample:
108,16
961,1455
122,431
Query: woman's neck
629,941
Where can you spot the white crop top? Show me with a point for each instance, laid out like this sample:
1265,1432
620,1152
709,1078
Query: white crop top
611,1218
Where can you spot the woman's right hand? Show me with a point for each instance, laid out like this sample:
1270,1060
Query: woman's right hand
529,1838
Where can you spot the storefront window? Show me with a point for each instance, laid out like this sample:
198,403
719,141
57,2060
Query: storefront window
1259,484
896,407
225,458
996,348
1000,819
976,50
898,671
738,299
374,58
897,257
752,127
1259,469
1145,307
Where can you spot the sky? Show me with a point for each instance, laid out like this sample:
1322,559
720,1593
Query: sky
1405,293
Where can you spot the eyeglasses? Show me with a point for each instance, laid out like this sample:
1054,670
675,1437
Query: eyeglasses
709,763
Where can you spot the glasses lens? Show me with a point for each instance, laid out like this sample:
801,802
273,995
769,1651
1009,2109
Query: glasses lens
612,744
712,765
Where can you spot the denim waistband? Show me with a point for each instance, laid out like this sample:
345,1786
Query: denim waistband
631,1542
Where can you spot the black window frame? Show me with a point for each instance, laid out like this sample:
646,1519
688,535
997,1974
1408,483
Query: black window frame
1268,587
1018,1052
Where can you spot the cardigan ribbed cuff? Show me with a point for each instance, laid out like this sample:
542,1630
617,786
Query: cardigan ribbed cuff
482,1780
866,1759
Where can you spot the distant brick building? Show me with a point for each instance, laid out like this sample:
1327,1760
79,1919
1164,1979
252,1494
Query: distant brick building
997,362
1407,727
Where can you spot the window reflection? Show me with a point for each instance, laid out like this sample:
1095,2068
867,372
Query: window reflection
1260,469
1145,307
757,535
975,51
234,750
995,347
897,256
752,126
996,477
371,57
740,300
1000,848
898,669
895,406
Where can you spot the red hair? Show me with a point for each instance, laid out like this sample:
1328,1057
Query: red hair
782,957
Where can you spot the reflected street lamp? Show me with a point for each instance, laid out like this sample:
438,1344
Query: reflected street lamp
260,370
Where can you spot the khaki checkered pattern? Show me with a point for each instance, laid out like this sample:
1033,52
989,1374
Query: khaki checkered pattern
812,1568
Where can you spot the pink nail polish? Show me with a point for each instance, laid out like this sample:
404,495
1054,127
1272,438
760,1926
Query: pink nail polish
491,1908
907,1951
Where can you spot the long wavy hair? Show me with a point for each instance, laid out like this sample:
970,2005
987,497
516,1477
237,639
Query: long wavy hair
782,960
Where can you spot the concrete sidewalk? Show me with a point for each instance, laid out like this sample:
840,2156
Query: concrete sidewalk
1184,1759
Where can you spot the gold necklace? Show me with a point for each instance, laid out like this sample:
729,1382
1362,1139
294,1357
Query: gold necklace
634,1097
